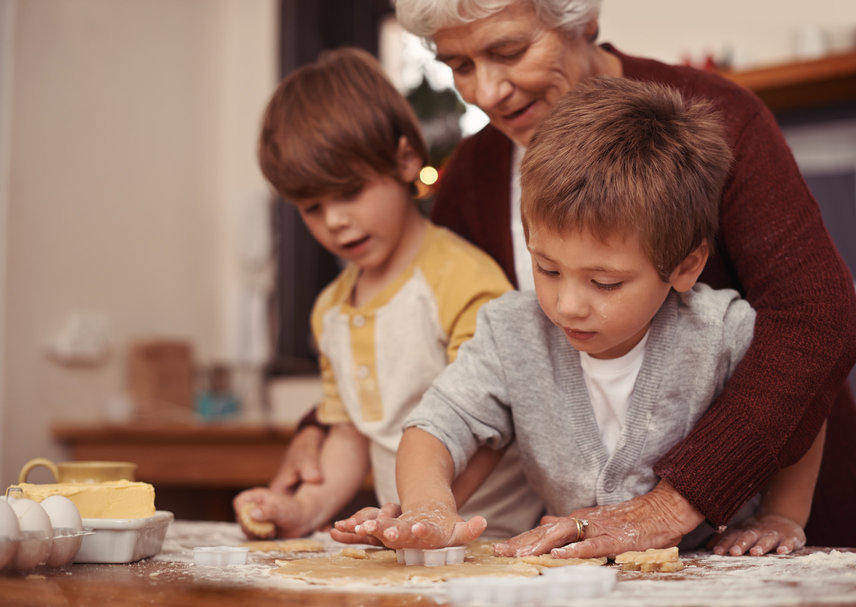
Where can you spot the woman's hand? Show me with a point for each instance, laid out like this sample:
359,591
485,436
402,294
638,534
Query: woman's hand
658,519
301,462
427,525
760,535
554,531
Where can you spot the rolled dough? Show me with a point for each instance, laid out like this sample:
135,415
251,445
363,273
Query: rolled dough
380,568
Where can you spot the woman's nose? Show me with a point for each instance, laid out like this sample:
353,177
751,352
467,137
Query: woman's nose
491,86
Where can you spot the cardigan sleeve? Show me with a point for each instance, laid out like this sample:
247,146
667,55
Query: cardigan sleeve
805,333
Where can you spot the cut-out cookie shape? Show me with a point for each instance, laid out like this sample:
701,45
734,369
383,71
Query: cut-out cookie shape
664,560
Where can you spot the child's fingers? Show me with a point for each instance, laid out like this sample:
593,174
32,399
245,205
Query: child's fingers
353,538
789,544
359,517
765,543
467,531
746,538
726,541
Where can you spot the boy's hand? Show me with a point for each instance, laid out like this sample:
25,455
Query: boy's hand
344,531
426,526
554,532
291,517
761,535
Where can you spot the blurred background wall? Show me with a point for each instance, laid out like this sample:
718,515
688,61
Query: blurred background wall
132,148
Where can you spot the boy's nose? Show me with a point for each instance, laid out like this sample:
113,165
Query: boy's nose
571,306
335,218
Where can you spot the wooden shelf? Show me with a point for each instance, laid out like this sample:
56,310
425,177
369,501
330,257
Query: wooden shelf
830,80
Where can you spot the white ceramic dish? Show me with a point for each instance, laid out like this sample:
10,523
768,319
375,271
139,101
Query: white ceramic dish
119,540
431,558
220,556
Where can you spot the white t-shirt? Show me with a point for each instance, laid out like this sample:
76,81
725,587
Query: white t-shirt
609,383
522,260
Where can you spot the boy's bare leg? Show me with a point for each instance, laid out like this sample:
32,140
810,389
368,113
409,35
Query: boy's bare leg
784,510
344,463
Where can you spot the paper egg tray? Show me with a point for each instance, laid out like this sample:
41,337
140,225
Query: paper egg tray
431,558
554,587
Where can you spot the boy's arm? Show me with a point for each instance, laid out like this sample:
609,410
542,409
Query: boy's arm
344,463
791,490
784,510
429,518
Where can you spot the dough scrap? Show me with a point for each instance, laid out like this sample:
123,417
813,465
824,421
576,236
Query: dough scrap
654,559
379,567
297,545
262,529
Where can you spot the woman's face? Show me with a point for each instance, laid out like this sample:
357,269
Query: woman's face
514,68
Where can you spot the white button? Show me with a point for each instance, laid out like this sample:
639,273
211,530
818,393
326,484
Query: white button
609,486
363,371
359,320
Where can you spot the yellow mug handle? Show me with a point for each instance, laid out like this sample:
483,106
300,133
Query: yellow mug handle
35,463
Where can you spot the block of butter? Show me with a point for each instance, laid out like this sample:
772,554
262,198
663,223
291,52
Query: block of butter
109,499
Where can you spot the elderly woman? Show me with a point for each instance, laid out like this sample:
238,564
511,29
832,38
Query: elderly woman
514,59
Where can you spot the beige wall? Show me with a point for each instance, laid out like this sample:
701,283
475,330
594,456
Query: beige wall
132,147
758,30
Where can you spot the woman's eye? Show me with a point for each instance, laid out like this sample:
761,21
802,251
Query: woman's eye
311,209
546,272
510,54
462,68
606,286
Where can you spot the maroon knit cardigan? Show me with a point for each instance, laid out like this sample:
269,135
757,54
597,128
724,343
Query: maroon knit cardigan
773,248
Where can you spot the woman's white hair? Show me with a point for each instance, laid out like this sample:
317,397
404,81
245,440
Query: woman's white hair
425,17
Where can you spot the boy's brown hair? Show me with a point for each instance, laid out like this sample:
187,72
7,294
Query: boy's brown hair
332,125
618,155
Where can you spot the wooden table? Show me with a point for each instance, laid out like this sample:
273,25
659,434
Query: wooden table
811,577
196,468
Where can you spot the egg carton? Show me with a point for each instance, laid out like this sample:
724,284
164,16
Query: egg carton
220,556
431,558
554,587
31,535
116,540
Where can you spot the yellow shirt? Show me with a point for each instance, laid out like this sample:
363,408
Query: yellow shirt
377,359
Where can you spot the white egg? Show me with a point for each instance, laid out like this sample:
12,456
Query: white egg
36,533
66,522
9,533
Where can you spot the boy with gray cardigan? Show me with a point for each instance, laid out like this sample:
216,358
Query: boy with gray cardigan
617,353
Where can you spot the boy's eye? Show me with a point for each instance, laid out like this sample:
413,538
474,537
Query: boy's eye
309,210
606,286
546,272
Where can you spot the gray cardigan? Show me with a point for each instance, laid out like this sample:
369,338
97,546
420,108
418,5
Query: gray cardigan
518,377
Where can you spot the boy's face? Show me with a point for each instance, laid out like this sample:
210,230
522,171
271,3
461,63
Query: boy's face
602,294
365,229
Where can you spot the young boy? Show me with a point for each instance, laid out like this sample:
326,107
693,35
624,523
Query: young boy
341,144
618,352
